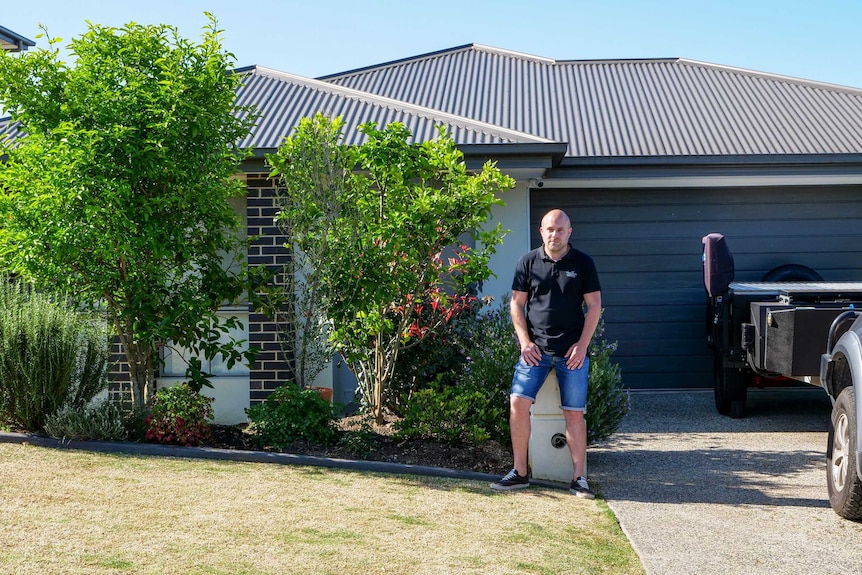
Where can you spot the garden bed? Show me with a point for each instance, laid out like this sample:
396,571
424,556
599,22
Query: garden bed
360,439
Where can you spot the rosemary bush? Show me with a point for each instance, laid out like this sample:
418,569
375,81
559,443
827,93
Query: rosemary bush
607,401
52,355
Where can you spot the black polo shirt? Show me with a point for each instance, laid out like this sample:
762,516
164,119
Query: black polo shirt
555,301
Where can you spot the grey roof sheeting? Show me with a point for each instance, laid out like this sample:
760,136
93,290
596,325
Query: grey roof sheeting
13,42
9,131
626,108
282,99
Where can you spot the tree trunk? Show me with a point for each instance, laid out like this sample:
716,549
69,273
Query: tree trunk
140,358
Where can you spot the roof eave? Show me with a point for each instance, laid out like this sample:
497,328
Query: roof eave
706,171
506,156
13,42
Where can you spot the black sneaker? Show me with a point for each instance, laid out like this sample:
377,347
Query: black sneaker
581,488
512,480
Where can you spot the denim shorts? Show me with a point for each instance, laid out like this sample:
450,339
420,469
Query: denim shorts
528,380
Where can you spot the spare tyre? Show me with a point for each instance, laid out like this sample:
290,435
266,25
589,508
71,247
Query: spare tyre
791,273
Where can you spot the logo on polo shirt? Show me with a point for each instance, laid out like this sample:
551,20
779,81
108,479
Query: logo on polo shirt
571,274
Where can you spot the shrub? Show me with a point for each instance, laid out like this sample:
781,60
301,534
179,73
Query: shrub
135,421
476,406
436,355
179,416
448,413
290,414
607,401
99,421
52,355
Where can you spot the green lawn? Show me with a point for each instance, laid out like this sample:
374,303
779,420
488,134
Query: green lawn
75,512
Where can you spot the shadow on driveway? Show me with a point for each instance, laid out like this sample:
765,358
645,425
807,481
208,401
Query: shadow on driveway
698,492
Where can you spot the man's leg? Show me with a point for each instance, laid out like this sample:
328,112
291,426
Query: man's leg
519,422
526,382
573,397
576,439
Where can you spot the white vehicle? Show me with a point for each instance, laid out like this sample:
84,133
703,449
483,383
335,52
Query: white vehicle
841,377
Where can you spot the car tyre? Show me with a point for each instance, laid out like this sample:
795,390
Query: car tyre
845,486
791,273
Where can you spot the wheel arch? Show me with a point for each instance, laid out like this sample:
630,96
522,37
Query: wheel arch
847,371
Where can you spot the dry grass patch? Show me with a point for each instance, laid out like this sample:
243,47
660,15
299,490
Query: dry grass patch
76,512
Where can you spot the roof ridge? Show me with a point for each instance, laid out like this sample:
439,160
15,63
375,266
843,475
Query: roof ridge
421,111
397,62
770,76
621,60
436,53
514,53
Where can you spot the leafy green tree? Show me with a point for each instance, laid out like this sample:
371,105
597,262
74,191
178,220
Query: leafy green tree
119,190
386,212
312,197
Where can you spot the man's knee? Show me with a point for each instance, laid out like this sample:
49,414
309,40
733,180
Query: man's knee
519,406
574,417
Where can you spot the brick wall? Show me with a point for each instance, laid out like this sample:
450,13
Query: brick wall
271,368
120,388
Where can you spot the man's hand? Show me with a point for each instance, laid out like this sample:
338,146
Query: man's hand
575,356
531,354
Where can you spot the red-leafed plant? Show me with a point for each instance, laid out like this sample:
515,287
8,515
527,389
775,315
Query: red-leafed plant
179,416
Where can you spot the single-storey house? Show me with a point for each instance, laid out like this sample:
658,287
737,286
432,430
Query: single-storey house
646,156
13,42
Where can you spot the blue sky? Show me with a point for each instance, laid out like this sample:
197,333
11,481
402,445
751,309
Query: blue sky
816,40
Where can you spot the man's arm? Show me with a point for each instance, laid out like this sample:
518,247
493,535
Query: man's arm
529,350
577,353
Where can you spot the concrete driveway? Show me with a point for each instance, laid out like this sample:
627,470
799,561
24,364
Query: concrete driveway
700,493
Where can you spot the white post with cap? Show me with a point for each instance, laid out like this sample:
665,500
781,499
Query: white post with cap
548,456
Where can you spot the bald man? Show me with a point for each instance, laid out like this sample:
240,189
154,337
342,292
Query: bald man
556,305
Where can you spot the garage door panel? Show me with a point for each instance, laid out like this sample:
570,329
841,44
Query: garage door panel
671,215
646,347
657,331
690,364
683,232
654,280
644,298
749,264
647,247
643,313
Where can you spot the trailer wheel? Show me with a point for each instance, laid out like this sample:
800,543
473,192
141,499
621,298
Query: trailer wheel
730,387
845,486
791,273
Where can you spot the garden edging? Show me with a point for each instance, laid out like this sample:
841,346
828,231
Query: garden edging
159,450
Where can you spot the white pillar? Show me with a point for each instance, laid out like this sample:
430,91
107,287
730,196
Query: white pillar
548,454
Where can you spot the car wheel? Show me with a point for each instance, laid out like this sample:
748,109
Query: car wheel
845,487
730,388
791,273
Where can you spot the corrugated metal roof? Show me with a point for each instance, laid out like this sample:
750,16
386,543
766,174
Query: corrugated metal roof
626,108
9,130
282,99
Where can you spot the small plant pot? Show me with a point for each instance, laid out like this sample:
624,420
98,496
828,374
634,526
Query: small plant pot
325,392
